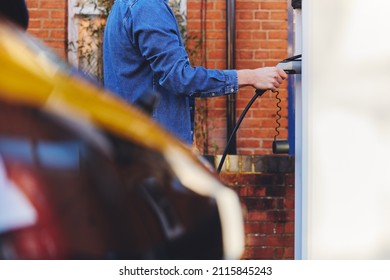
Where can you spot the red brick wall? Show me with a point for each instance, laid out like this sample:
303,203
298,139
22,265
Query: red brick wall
48,22
261,40
267,194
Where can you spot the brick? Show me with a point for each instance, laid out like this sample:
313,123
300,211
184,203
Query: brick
60,45
58,14
248,25
32,4
34,24
289,203
256,191
290,227
59,4
255,240
274,5
290,192
290,215
277,216
279,34
274,44
254,204
262,15
259,228
217,54
279,15
53,24
245,5
288,253
247,15
244,35
39,33
275,191
290,179
257,216
38,14
215,35
274,25
278,240
215,15
259,35
279,253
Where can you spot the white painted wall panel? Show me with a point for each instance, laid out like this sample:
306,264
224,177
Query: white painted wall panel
345,128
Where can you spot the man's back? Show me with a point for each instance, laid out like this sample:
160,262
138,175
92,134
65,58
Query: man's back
135,63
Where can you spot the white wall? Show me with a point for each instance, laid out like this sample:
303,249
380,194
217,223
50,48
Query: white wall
345,130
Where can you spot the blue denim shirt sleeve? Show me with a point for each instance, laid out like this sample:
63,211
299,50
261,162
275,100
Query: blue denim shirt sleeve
153,30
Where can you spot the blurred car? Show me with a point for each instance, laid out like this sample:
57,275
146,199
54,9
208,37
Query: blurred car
83,175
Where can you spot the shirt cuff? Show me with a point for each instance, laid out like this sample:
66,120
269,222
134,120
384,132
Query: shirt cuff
231,83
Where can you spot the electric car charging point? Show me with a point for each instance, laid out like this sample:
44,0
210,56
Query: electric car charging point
291,65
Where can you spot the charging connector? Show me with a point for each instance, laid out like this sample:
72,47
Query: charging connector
291,65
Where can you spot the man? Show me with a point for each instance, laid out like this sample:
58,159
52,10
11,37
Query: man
143,51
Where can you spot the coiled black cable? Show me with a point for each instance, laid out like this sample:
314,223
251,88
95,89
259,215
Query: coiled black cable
278,116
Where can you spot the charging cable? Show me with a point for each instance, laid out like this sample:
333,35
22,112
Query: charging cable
257,94
291,65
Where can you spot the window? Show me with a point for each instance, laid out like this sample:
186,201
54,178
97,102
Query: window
85,34
86,23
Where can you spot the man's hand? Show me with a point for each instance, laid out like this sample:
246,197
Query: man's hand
266,78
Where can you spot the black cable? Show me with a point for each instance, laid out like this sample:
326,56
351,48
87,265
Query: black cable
278,115
258,94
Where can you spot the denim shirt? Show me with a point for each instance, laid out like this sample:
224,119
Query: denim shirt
143,51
